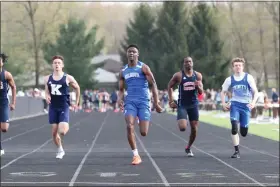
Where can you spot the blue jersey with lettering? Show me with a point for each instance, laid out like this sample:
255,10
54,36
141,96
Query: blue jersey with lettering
4,88
136,82
59,92
187,91
241,90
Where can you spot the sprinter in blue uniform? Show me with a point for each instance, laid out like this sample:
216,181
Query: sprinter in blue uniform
244,98
190,85
136,75
6,81
57,96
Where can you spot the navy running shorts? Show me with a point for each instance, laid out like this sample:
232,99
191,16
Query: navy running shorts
190,113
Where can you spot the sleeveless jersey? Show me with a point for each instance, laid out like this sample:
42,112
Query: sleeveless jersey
59,92
4,88
187,91
136,82
241,90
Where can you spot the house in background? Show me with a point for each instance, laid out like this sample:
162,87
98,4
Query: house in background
106,74
108,70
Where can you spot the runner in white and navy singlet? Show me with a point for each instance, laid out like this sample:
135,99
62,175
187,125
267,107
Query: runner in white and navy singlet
60,100
190,85
58,97
244,97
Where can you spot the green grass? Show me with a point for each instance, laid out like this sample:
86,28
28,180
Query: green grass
263,130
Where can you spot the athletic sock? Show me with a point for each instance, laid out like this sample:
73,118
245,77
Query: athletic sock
135,152
60,149
236,148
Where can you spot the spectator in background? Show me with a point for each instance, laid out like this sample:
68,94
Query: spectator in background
164,99
208,105
36,92
45,104
200,98
86,100
218,100
260,104
275,106
95,98
105,98
114,99
20,93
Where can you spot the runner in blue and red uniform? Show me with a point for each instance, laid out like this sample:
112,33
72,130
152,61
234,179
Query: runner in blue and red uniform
136,75
190,85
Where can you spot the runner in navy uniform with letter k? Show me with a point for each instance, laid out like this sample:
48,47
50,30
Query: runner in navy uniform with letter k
57,96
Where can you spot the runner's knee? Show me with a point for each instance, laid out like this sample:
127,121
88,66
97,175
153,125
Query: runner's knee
130,128
234,127
243,131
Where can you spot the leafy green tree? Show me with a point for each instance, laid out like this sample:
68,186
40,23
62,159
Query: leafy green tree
78,47
206,46
140,31
170,42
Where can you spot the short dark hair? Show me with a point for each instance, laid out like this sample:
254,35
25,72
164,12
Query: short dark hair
4,57
185,57
57,57
132,45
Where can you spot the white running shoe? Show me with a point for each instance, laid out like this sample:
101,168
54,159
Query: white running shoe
189,152
2,152
60,154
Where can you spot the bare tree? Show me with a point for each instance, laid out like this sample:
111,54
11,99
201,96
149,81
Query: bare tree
259,12
276,53
37,31
236,32
273,9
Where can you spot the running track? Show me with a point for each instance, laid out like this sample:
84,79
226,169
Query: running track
97,153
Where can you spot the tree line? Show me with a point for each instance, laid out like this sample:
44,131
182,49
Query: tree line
178,30
175,32
211,34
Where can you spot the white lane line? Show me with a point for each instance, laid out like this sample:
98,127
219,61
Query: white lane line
141,184
35,150
78,170
262,152
23,133
160,173
216,158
